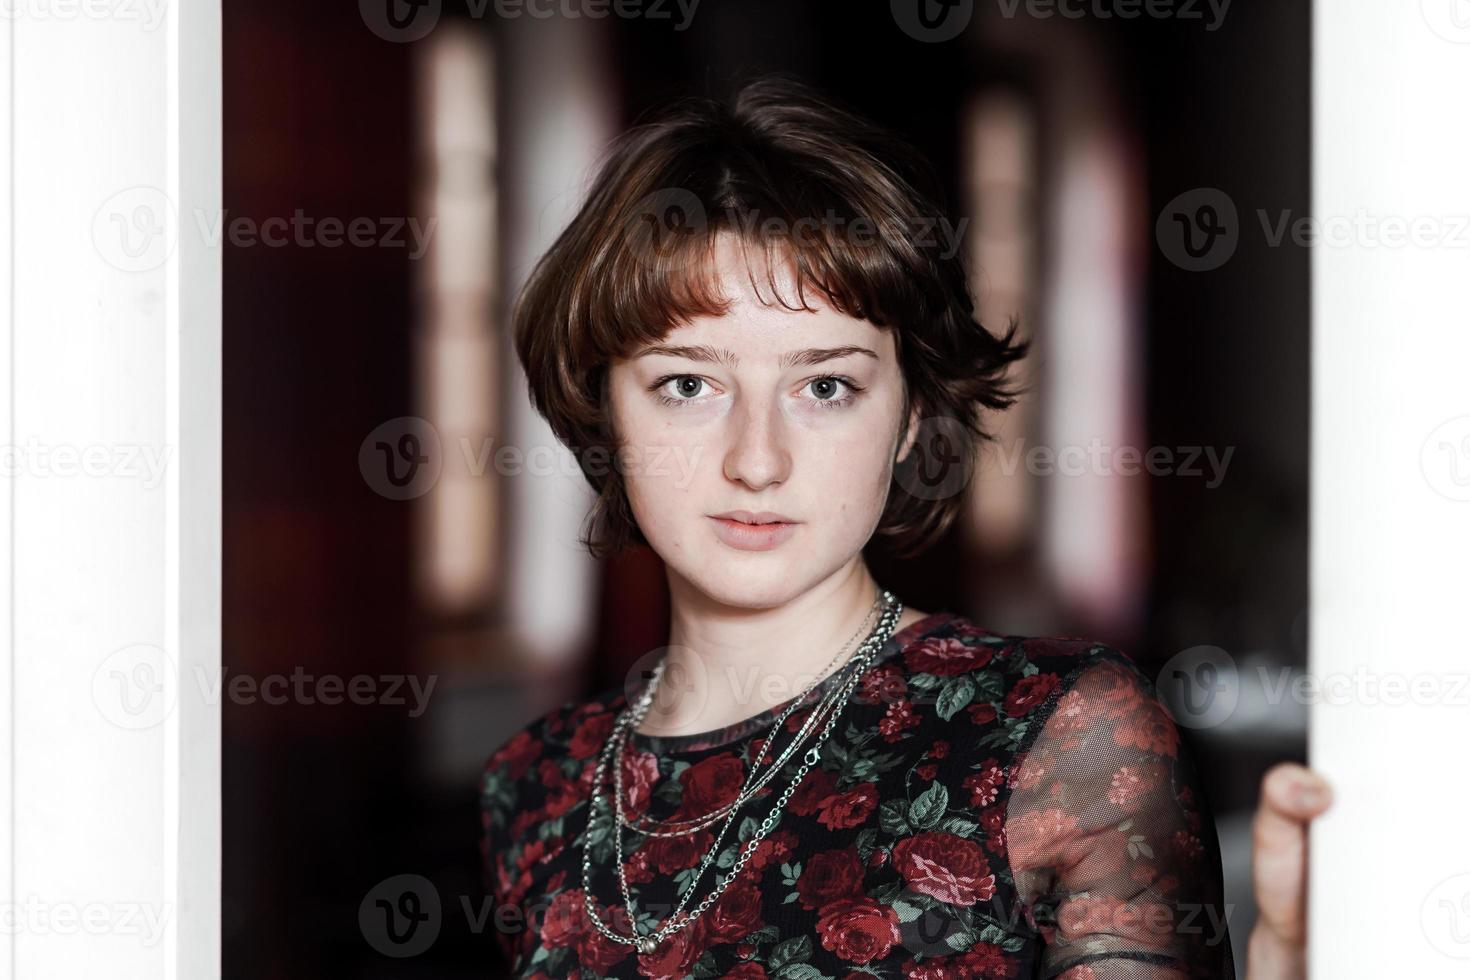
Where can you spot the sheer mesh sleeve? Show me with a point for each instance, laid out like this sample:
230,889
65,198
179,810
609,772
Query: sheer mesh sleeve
1112,851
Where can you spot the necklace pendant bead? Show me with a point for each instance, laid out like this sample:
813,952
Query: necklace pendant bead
645,944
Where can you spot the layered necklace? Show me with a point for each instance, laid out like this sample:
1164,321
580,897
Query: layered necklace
888,610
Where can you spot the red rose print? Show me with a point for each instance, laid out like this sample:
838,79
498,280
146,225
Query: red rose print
815,787
1036,838
637,869
945,867
1112,690
828,876
774,848
710,784
640,774
591,736
946,657
1133,783
598,953
746,971
1187,845
674,957
981,714
518,754
881,685
984,786
937,968
993,822
565,920
841,811
1029,692
667,855
1149,728
898,717
858,930
927,772
989,960
736,913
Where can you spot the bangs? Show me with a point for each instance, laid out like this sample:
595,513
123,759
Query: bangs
835,241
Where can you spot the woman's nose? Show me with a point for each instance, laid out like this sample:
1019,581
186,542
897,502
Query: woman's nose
758,455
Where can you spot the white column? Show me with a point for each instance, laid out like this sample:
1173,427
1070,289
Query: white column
110,531
1390,509
561,115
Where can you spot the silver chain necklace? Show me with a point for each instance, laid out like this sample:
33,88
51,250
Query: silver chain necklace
753,785
628,718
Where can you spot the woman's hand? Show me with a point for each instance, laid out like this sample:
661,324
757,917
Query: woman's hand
1291,795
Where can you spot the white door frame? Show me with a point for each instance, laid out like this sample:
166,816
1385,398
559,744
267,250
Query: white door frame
1390,498
110,172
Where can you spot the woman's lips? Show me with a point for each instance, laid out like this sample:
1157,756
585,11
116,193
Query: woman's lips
752,537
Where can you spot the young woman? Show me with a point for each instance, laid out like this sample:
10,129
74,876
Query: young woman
742,335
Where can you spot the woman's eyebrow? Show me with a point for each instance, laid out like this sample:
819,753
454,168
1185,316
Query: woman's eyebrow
806,356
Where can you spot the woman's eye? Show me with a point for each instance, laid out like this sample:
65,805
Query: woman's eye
831,392
678,388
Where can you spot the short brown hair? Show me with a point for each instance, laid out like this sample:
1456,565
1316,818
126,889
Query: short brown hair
772,160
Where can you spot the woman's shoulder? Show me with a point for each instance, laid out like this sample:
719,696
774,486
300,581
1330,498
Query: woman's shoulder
965,672
567,736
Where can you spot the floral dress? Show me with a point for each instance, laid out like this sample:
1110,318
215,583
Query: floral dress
986,806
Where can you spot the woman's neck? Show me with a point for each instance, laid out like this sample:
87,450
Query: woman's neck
726,664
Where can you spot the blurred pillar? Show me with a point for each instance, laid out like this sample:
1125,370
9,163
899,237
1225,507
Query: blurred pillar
559,112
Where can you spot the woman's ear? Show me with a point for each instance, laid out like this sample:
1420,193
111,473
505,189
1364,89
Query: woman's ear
909,435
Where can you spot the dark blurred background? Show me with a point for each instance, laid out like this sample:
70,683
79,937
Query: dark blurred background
458,137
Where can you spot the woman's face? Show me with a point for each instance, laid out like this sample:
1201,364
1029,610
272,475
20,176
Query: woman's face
790,416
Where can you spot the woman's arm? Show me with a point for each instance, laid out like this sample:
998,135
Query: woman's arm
1291,795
